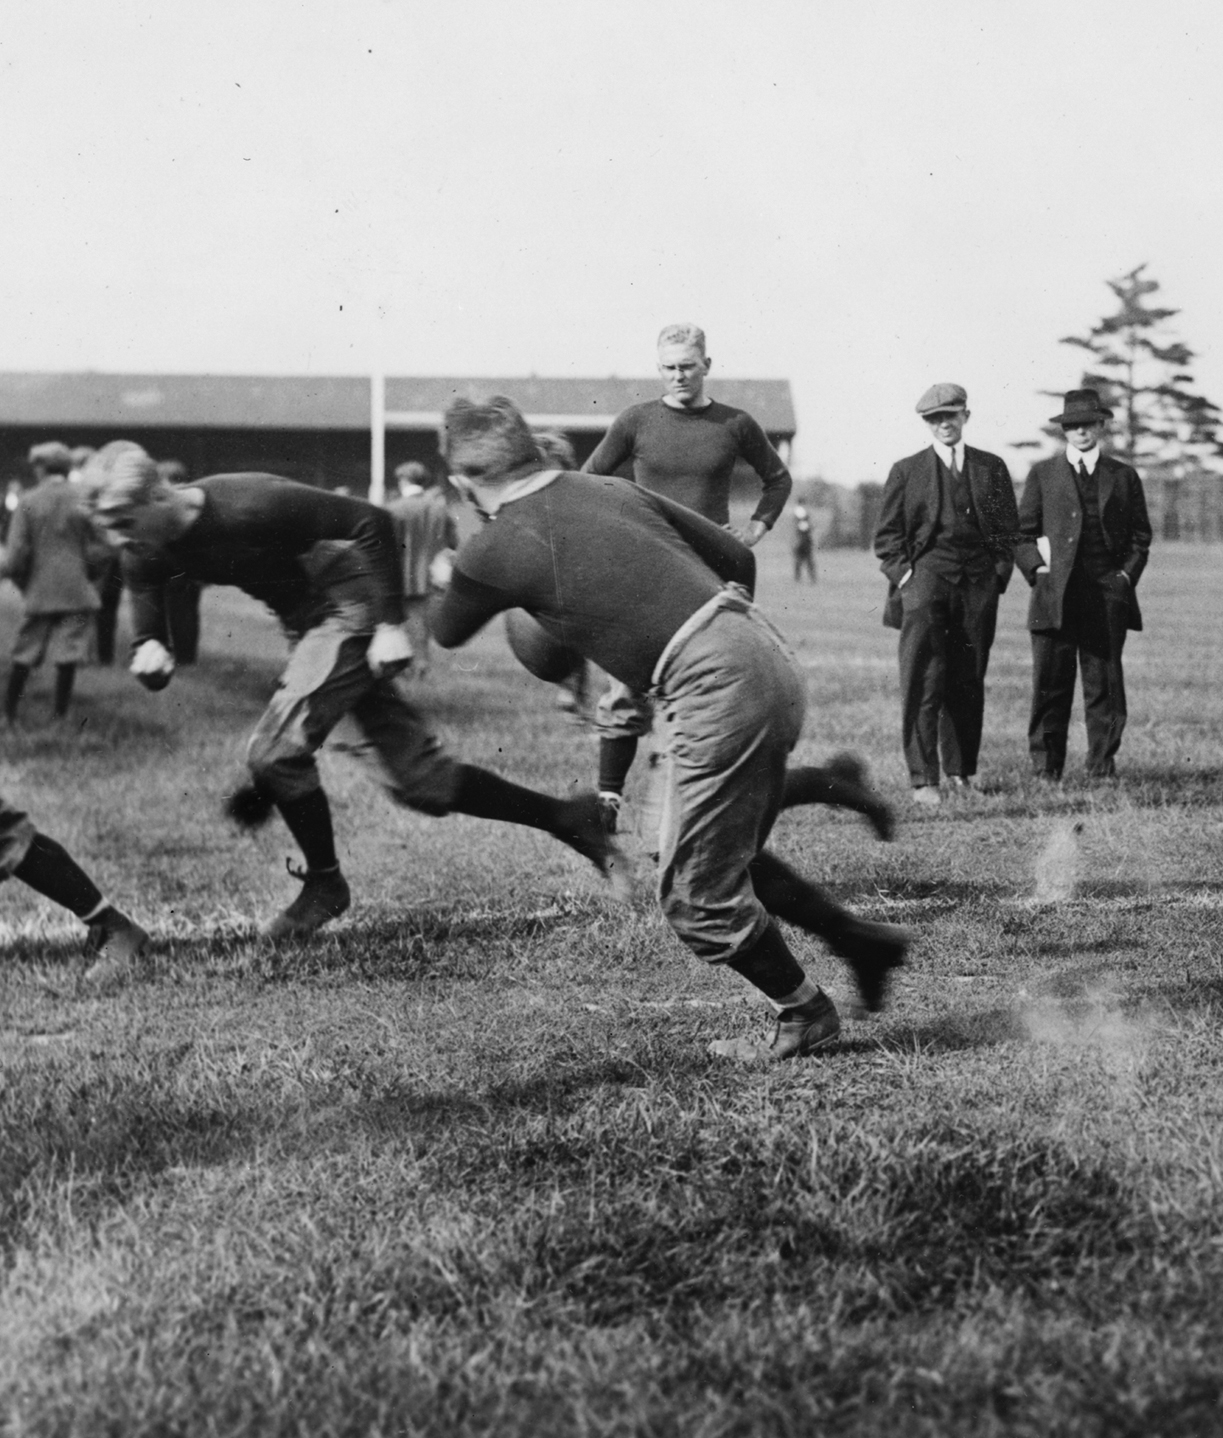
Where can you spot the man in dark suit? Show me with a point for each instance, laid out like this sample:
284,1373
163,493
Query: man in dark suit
1086,536
945,540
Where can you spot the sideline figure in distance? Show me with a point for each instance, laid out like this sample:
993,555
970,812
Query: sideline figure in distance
582,554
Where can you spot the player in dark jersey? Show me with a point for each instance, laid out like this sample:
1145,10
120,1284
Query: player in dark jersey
659,598
685,446
328,567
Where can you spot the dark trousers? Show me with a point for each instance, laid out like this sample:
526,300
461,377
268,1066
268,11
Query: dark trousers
945,640
109,585
1095,615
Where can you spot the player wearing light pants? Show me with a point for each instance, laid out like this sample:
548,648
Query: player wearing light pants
658,597
328,566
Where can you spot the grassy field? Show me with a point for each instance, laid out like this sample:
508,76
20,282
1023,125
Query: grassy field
463,1166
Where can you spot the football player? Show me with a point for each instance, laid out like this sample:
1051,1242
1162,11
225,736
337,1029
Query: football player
583,554
327,565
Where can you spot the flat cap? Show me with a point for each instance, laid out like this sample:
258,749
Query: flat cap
53,456
943,396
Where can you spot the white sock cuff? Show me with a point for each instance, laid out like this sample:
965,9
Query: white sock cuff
805,992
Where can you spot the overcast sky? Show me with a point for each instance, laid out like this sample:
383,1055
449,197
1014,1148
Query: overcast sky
859,198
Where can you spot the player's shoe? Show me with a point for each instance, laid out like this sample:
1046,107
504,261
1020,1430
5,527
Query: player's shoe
324,896
798,1033
849,769
927,796
872,951
119,943
582,827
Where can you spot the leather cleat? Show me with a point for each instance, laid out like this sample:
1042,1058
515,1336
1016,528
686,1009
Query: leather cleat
584,831
927,796
324,896
798,1033
119,942
872,951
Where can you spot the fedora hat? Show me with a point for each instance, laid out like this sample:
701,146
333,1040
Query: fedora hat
1081,406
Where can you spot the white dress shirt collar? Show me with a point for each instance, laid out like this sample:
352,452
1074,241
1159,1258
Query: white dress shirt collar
1087,458
945,452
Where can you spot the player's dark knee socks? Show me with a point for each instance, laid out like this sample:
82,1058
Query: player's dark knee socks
65,678
615,760
17,677
810,785
796,900
770,966
485,795
309,821
51,870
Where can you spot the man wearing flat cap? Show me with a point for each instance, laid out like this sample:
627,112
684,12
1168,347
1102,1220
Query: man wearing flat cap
53,552
945,541
1085,542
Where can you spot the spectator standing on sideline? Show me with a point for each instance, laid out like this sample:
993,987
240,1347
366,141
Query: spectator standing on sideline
51,554
945,541
584,555
183,593
424,526
804,544
328,566
684,446
1086,536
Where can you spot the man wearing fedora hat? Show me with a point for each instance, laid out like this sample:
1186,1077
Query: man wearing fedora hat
945,541
1085,541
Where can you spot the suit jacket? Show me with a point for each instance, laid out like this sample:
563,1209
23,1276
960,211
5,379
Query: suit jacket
909,517
53,548
1050,506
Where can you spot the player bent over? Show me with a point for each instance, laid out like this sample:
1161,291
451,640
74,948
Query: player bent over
657,596
49,869
328,566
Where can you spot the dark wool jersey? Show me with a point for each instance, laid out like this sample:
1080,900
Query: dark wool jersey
606,568
689,455
304,552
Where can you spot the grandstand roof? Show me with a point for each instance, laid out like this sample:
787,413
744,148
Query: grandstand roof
321,402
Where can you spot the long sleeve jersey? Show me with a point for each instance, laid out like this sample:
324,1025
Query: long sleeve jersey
606,567
689,455
304,552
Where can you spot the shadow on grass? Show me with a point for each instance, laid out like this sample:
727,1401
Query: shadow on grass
950,1033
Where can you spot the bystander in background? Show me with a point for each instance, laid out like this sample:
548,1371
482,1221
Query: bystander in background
52,555
424,526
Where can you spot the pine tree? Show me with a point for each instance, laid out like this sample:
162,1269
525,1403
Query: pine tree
1142,374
